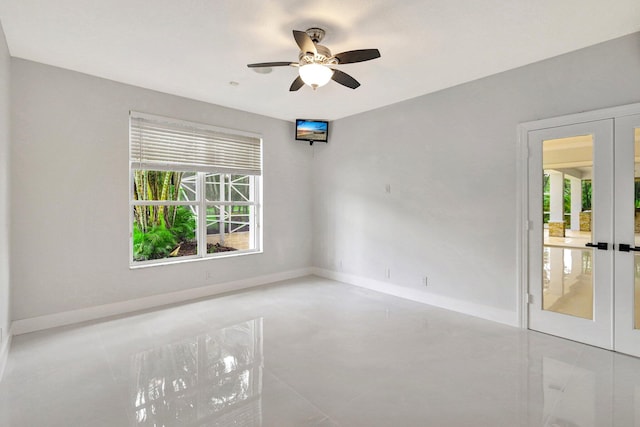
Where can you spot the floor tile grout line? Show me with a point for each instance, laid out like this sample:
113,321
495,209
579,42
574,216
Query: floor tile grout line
294,390
564,388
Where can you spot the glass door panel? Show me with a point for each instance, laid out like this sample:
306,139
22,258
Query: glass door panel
567,285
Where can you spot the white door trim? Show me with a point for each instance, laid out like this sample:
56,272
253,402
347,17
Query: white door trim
522,185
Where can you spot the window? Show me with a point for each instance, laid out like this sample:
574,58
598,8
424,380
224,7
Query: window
195,190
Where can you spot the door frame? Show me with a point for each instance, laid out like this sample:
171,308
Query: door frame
522,190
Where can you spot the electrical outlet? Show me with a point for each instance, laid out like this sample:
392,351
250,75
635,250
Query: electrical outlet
425,280
208,275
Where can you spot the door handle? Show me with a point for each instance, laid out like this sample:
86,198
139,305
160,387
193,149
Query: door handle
626,248
603,246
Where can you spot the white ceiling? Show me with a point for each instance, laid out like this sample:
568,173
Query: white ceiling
194,48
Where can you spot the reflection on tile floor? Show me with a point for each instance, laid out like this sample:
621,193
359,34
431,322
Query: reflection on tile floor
211,377
567,275
312,352
568,281
572,239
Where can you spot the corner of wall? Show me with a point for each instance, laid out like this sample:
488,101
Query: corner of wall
4,352
5,179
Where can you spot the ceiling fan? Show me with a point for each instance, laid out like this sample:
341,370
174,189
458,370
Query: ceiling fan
315,61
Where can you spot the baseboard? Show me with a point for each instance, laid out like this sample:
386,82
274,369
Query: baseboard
4,352
33,324
477,310
23,326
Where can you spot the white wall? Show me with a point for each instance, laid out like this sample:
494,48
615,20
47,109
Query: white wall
450,158
4,191
69,194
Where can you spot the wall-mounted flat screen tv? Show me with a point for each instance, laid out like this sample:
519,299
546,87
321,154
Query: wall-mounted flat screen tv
312,130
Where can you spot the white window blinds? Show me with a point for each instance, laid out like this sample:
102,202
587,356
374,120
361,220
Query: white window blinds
159,143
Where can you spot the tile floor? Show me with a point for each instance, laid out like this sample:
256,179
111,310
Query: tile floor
312,352
572,239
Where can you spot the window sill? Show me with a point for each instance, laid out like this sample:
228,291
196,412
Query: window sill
168,261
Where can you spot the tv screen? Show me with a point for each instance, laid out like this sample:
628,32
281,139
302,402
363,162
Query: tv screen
312,130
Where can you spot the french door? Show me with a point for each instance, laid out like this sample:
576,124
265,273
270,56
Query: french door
627,235
584,222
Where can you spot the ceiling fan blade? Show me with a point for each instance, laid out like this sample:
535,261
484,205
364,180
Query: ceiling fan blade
360,55
272,64
297,84
304,42
344,79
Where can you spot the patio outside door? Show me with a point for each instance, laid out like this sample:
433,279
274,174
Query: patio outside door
584,232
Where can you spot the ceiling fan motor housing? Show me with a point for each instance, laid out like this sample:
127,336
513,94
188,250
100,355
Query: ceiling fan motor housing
323,56
316,34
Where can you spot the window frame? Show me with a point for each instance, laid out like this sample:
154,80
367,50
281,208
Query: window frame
200,202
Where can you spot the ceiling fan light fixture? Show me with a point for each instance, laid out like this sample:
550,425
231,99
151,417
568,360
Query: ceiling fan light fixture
315,75
315,60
